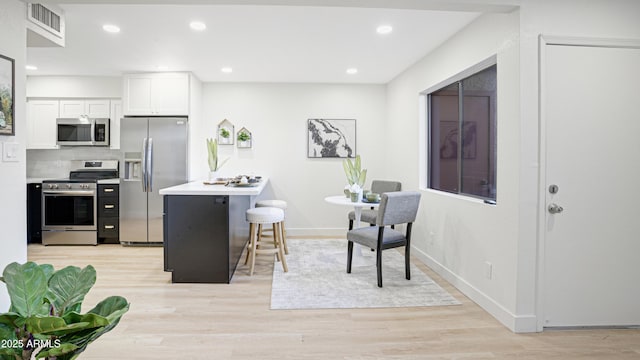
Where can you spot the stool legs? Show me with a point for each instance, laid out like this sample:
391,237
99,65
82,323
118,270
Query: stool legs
255,237
284,238
251,250
277,229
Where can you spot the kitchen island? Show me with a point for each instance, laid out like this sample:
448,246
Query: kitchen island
205,230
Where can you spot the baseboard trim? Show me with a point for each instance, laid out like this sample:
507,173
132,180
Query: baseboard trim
515,323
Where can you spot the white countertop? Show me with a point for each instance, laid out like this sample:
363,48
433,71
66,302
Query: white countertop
199,188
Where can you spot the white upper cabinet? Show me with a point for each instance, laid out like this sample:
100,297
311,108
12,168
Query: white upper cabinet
41,124
94,108
156,94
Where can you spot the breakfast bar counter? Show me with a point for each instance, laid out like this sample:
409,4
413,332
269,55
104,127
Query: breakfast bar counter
205,229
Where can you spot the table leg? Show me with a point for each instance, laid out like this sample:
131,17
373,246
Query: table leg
356,225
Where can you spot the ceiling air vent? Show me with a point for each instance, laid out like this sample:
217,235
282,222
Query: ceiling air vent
45,24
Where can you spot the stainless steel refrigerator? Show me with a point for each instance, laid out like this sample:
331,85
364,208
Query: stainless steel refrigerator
154,156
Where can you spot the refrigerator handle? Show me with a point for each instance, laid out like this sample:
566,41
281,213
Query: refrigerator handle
150,165
144,165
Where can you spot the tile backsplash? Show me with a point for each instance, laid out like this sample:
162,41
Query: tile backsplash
56,163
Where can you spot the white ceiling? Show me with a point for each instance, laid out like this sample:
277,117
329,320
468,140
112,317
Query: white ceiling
262,43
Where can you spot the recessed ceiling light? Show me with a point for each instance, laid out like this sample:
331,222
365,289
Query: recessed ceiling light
384,29
197,25
163,67
226,70
111,28
352,71
31,67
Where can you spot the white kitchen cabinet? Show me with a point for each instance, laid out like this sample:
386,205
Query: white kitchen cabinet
114,126
156,94
41,124
93,108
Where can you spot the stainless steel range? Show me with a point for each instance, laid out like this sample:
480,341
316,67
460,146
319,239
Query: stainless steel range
69,206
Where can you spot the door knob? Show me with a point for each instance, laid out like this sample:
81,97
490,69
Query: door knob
555,209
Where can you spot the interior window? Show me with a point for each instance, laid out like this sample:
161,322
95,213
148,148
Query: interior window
462,135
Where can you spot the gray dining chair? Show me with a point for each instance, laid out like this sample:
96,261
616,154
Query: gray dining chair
378,187
400,207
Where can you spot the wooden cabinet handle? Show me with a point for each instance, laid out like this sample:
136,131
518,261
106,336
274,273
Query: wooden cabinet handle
108,190
109,206
109,227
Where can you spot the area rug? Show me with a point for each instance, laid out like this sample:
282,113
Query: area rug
317,279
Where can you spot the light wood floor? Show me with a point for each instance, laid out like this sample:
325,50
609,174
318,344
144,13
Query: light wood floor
233,321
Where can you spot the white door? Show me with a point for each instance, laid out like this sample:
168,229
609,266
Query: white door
591,105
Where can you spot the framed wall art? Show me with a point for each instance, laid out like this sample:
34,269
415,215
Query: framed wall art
226,132
7,96
331,138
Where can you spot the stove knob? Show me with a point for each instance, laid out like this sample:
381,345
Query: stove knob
68,186
50,186
55,186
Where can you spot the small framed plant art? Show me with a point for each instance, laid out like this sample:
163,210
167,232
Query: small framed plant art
244,138
225,132
7,96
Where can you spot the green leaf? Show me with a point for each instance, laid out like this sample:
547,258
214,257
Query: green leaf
10,319
48,270
110,306
68,287
49,325
57,351
93,320
27,286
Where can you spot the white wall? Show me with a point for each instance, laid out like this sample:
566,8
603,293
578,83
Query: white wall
599,19
74,87
277,114
456,235
13,222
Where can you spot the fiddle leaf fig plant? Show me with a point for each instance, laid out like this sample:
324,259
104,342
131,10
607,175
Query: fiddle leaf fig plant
214,162
44,320
355,173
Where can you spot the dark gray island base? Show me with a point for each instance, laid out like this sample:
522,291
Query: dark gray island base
205,230
204,237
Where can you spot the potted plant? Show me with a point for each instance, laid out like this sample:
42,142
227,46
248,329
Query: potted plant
356,176
243,139
224,133
214,162
44,320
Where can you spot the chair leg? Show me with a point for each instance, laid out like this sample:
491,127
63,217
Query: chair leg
349,256
407,262
379,266
277,232
350,224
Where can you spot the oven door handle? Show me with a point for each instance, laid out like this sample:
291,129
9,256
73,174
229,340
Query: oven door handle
70,193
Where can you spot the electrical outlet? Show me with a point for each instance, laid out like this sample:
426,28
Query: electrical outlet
488,270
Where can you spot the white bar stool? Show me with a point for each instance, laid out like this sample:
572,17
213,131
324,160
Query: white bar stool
261,216
280,204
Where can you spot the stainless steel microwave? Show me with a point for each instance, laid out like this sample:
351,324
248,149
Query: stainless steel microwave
82,131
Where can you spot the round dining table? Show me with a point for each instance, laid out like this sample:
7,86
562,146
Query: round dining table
357,206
